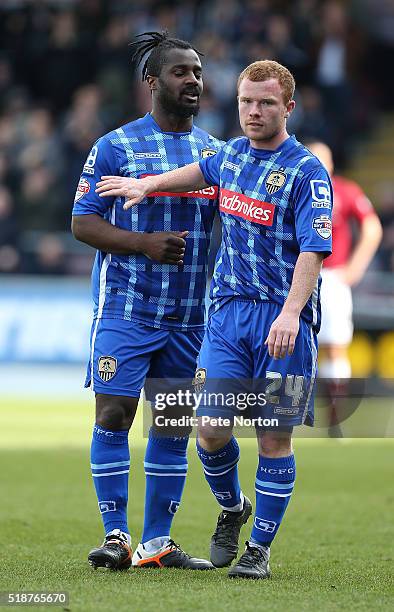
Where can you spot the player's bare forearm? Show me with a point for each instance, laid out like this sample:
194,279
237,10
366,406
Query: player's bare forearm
284,330
100,234
134,190
182,179
365,248
306,273
164,247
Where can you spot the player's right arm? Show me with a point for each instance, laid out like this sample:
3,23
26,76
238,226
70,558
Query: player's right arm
164,247
193,176
90,226
313,230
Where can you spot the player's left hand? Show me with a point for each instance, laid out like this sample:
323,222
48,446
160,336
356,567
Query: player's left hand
282,335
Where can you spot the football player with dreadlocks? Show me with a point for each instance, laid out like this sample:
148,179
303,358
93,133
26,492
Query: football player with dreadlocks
149,283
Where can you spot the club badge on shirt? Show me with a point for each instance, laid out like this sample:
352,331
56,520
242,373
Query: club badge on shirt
207,152
275,181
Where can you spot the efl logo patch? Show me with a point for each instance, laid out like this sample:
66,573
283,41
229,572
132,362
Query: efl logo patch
207,152
199,379
209,193
107,367
249,209
82,189
173,507
323,226
275,181
264,525
107,506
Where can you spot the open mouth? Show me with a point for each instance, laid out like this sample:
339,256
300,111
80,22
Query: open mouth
193,98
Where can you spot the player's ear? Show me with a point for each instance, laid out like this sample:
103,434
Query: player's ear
151,80
290,106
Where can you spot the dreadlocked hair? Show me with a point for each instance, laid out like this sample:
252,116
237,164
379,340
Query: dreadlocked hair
156,44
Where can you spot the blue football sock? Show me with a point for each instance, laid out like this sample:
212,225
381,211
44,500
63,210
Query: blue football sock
110,463
221,473
165,471
274,485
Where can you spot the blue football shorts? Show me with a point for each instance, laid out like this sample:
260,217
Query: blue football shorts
234,360
123,354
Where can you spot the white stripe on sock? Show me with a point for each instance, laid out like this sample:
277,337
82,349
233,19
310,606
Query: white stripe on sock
110,474
273,494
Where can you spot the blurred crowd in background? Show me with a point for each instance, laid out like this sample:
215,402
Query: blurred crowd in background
66,78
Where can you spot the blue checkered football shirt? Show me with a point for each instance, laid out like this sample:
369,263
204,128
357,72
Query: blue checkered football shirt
133,287
273,205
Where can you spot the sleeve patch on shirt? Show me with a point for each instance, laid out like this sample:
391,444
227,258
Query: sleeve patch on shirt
321,192
322,225
82,189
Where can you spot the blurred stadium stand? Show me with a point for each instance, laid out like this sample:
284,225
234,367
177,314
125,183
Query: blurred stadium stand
66,78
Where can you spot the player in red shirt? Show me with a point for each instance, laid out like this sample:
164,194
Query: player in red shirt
344,268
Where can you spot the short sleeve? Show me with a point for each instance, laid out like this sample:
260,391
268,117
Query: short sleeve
100,161
210,167
312,198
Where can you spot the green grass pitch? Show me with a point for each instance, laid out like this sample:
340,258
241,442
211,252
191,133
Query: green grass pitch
333,552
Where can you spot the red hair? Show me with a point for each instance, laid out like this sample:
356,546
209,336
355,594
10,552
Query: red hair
268,69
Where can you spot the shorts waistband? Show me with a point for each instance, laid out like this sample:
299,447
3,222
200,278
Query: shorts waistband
247,299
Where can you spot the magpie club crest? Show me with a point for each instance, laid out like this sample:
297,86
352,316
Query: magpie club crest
275,181
207,152
199,379
107,367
